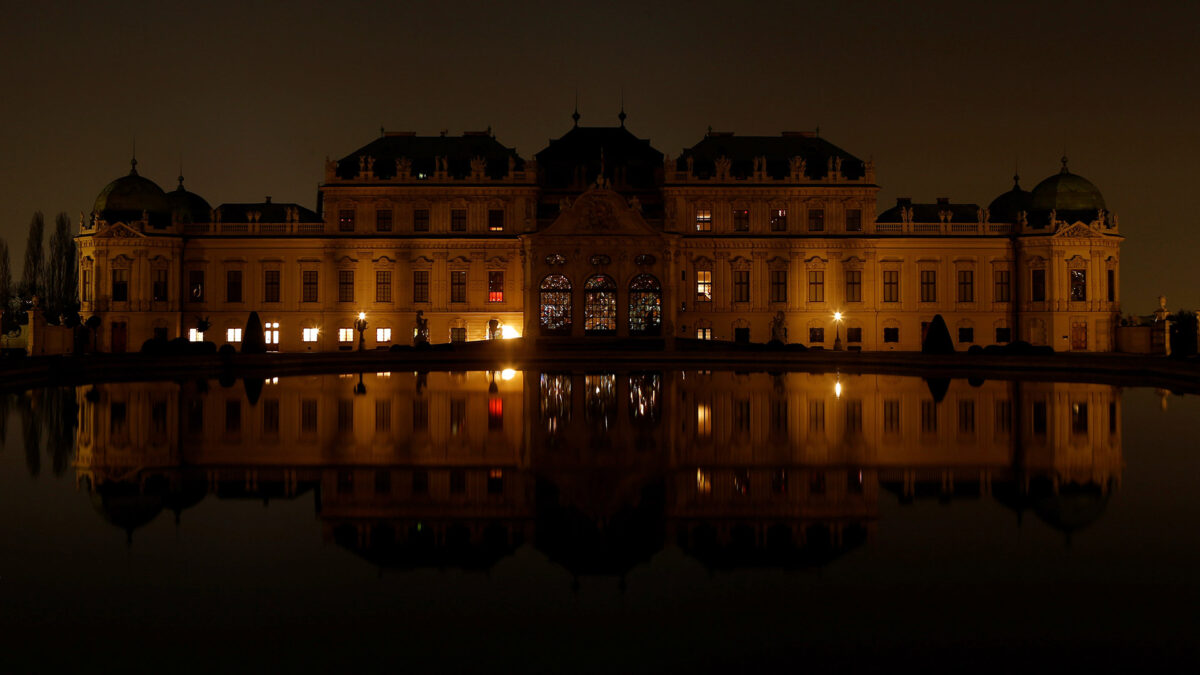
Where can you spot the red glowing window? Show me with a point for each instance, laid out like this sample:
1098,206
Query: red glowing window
496,286
495,413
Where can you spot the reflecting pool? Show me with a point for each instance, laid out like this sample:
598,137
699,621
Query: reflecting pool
615,520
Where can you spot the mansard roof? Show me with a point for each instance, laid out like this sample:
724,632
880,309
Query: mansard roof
779,151
930,213
586,146
423,152
270,212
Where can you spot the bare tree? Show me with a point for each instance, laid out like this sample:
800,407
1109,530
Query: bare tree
6,290
33,275
62,270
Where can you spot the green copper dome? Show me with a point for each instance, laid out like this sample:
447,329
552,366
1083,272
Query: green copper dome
1066,191
126,198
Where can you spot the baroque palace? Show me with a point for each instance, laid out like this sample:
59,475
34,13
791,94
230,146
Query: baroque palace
598,237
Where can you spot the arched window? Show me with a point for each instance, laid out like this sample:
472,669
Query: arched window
645,305
600,305
555,305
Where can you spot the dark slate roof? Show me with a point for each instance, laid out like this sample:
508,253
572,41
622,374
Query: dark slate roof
188,207
126,198
779,151
931,213
423,152
272,212
582,146
1007,207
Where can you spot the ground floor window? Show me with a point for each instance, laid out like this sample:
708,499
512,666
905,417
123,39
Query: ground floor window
458,334
554,306
271,335
383,334
1003,335
704,333
645,305
310,334
966,335
345,335
891,334
854,334
816,335
233,335
600,305
195,335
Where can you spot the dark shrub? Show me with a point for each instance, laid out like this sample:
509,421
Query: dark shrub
253,341
156,346
227,350
975,349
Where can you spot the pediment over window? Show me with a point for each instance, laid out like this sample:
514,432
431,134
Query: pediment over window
119,231
853,263
702,263
602,212
1077,231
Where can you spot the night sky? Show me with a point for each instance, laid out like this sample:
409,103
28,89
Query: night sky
945,96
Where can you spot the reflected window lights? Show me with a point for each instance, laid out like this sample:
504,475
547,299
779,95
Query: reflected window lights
554,400
495,482
644,391
779,481
1079,418
703,482
703,420
600,398
495,413
741,482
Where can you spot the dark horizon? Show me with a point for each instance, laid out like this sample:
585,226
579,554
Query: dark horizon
945,99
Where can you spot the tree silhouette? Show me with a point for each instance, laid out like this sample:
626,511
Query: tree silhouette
937,338
33,275
8,320
62,270
252,337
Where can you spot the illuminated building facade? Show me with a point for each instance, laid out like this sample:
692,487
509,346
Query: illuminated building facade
600,236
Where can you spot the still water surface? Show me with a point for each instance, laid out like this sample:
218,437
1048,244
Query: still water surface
601,521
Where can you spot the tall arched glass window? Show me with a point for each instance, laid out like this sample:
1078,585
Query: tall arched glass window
645,305
555,305
600,305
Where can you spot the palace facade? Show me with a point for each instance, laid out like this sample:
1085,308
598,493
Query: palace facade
599,237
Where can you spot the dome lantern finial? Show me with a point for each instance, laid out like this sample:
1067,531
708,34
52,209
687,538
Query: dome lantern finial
575,115
1064,164
133,160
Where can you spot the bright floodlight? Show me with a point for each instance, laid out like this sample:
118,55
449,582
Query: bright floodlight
507,374
837,389
508,332
362,315
837,316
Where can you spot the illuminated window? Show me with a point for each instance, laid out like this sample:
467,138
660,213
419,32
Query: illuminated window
704,220
383,334
271,334
345,285
741,220
195,335
421,286
421,220
645,305
458,220
196,285
458,286
496,286
600,305
383,220
495,220
383,286
1078,285
233,335
555,304
704,286
704,333
779,220
346,220
310,334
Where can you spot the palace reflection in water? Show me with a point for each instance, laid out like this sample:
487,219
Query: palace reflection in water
599,470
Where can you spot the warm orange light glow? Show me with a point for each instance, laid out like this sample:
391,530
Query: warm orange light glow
362,315
509,332
837,316
507,374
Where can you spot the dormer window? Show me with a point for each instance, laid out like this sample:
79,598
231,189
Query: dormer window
346,220
704,220
741,220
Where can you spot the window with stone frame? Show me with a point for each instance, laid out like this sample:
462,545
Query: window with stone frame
383,220
854,220
346,220
233,286
458,286
458,220
308,286
196,285
496,286
704,219
383,286
420,286
495,220
345,285
816,286
1003,286
854,334
779,220
853,285
966,286
1078,280
704,286
741,220
120,285
741,285
421,220
816,220
779,285
891,285
159,289
928,285
271,285
1037,285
